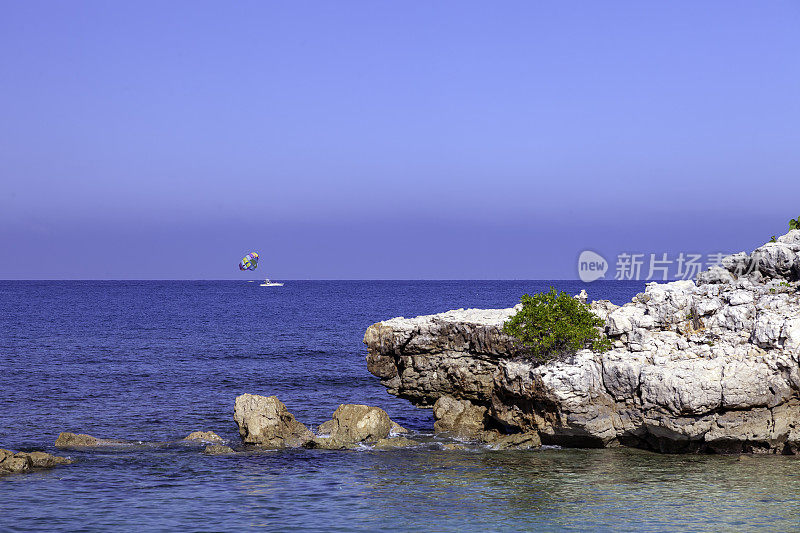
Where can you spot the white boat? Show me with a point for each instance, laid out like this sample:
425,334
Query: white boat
268,283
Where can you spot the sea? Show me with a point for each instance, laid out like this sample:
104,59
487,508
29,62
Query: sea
151,361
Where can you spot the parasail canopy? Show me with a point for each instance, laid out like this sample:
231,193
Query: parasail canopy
249,262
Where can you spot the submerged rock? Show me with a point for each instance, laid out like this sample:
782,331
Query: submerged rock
513,441
67,439
204,436
706,366
265,421
81,440
18,462
218,449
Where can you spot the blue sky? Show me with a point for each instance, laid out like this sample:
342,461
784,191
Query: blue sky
390,140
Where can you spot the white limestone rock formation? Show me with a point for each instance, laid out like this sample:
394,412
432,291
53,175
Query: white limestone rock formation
706,366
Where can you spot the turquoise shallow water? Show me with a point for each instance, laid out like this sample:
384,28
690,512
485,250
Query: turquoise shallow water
420,489
152,361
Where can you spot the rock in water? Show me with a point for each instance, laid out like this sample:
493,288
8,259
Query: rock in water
218,449
265,421
67,439
458,417
14,463
80,440
45,460
353,424
204,436
397,429
11,463
513,441
325,429
461,418
451,353
706,366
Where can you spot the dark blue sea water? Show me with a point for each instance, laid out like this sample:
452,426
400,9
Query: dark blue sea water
152,361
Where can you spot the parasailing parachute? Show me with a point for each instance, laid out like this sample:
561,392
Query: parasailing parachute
249,262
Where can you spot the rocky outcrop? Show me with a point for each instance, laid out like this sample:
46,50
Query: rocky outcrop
265,421
20,462
706,366
424,358
204,436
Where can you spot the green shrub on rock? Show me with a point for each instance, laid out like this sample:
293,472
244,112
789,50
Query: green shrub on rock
794,223
551,324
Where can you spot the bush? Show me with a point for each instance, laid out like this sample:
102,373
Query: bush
794,223
551,324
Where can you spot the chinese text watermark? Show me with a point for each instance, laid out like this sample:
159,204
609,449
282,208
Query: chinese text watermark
642,266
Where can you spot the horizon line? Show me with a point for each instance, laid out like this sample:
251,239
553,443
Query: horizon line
338,279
